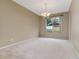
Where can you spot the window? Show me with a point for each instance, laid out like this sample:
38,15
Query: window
53,24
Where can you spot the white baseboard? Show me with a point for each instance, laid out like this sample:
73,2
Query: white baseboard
75,51
13,44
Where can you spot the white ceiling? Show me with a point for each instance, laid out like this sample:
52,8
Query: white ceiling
53,6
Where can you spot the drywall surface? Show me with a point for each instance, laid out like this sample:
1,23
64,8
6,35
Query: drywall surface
74,24
16,23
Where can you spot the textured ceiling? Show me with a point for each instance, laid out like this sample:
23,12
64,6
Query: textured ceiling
53,6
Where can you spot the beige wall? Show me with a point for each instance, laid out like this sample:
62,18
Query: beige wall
61,35
16,23
74,24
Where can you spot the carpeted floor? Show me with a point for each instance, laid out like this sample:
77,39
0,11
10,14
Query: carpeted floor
41,48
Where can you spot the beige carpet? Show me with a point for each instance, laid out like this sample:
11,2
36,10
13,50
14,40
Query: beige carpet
41,48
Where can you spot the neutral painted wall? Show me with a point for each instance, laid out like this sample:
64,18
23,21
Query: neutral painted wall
74,24
61,35
16,23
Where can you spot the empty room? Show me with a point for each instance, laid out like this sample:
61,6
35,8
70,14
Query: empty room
39,29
